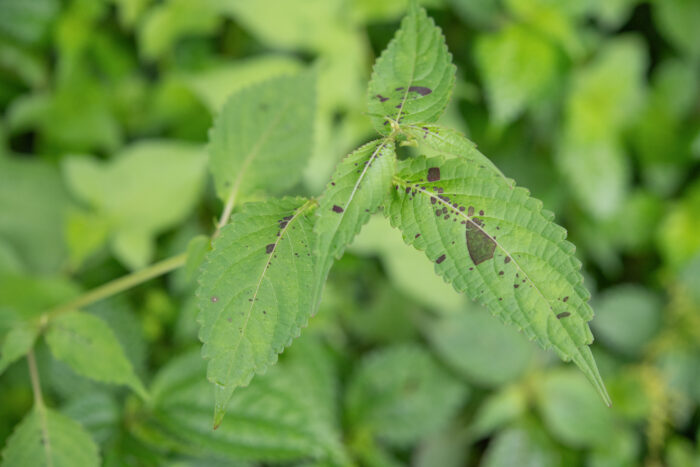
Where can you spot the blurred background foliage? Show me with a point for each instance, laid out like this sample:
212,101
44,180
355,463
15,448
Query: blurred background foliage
593,105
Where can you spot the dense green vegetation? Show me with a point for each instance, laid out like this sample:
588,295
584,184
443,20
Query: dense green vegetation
176,207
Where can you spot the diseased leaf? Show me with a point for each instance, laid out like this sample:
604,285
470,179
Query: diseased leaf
413,78
17,342
254,295
448,142
401,395
496,244
91,349
289,413
46,438
263,136
359,185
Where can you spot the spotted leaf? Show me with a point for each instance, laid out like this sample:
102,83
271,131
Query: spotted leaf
254,292
413,78
496,244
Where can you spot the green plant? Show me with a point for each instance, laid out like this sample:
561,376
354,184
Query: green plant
264,276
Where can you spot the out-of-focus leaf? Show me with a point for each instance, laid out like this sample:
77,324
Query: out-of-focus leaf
499,409
524,445
97,412
622,450
401,395
677,238
33,203
91,349
678,21
214,86
16,343
46,438
605,98
27,21
572,411
167,22
144,190
289,413
412,80
627,317
263,136
197,249
485,351
519,67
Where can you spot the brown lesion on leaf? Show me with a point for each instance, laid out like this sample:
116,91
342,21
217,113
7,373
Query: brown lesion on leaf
422,90
440,259
480,245
337,209
433,174
563,315
269,248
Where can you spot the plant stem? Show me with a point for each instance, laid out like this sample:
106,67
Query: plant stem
40,407
34,375
226,214
119,285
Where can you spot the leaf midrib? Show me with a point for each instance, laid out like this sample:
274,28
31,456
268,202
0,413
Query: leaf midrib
419,189
244,327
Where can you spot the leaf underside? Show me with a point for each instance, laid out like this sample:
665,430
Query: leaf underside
254,291
496,244
413,78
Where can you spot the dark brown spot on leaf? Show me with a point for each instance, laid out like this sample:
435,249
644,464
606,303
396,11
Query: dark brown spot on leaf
337,208
270,248
563,315
422,90
565,299
382,98
433,174
214,299
481,247
470,211
440,259
507,260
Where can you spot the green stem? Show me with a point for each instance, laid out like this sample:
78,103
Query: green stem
40,407
119,285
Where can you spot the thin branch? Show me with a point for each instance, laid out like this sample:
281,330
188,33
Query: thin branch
40,407
119,285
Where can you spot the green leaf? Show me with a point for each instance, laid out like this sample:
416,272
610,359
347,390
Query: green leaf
197,249
605,99
449,143
289,413
462,339
47,438
34,190
143,191
524,445
519,67
571,410
413,78
97,411
214,86
401,395
27,21
17,342
358,186
263,136
496,244
677,21
619,306
498,410
254,295
91,349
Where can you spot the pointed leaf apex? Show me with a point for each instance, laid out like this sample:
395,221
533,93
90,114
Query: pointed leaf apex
586,363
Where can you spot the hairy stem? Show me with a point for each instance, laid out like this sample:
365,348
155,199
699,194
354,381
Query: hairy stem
119,285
